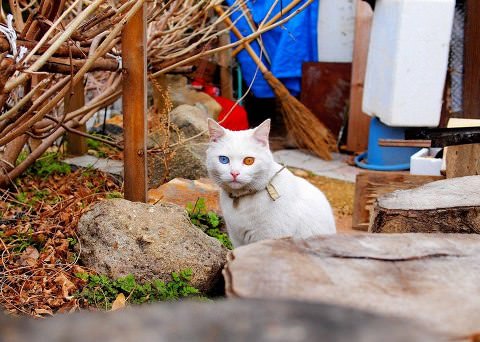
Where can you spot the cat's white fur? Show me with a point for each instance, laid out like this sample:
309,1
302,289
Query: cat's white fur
301,211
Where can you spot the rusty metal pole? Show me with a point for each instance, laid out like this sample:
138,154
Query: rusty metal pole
135,106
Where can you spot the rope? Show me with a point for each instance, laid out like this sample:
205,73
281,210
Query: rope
118,59
11,35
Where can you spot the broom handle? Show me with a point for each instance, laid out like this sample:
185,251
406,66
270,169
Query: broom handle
247,46
271,21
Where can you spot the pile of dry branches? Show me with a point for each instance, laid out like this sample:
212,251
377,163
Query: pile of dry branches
65,43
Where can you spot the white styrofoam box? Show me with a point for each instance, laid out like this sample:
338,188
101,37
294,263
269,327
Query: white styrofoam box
335,30
424,163
407,61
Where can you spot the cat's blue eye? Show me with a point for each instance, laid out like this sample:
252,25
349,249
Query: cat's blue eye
223,159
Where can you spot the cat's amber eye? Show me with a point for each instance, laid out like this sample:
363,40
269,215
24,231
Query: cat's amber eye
249,161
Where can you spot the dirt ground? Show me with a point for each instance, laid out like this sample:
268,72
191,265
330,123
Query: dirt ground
340,195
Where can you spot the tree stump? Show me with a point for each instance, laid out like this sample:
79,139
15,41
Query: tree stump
433,279
446,206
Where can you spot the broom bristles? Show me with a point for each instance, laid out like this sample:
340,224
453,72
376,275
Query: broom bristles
308,132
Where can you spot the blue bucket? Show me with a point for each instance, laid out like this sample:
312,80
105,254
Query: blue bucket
385,158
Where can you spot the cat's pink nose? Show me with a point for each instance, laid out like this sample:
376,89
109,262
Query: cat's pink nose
234,174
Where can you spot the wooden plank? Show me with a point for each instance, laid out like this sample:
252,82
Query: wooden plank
404,143
471,78
369,185
359,122
76,144
446,206
135,106
325,91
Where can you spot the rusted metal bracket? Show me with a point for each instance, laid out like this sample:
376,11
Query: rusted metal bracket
435,137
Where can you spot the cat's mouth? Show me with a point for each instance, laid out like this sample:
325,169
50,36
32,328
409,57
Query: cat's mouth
235,184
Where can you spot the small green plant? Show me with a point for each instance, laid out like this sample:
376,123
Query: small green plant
18,242
114,194
208,221
49,164
100,291
97,146
93,144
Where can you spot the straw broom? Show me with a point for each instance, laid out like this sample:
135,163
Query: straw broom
306,129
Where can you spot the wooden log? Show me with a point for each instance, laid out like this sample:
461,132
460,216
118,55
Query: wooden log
135,107
359,122
63,51
446,206
372,184
225,62
463,160
66,66
76,144
432,279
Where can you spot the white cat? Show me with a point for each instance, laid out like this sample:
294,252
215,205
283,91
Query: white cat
261,199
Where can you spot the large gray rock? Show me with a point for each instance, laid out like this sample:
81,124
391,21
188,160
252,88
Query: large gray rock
181,93
431,278
191,121
233,321
188,162
119,237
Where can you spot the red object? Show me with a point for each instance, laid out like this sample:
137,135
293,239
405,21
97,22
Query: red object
237,120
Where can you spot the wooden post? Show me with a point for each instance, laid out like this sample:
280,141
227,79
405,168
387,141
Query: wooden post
225,62
135,106
471,78
358,122
76,144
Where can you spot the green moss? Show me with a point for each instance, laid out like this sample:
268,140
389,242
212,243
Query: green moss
49,163
101,291
208,221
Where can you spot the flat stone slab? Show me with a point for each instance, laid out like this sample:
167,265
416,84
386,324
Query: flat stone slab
114,167
181,191
336,168
433,279
232,321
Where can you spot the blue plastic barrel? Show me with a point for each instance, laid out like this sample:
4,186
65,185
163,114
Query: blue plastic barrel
385,158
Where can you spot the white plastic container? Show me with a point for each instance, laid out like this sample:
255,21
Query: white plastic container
407,61
424,162
335,30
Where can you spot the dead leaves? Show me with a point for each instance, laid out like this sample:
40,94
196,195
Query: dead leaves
38,240
29,257
119,302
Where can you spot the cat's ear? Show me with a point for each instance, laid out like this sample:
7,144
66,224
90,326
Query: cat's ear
215,130
261,132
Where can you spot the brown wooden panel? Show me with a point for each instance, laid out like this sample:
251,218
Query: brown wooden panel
359,122
369,185
471,78
325,91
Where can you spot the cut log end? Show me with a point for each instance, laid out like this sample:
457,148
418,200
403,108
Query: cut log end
446,206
